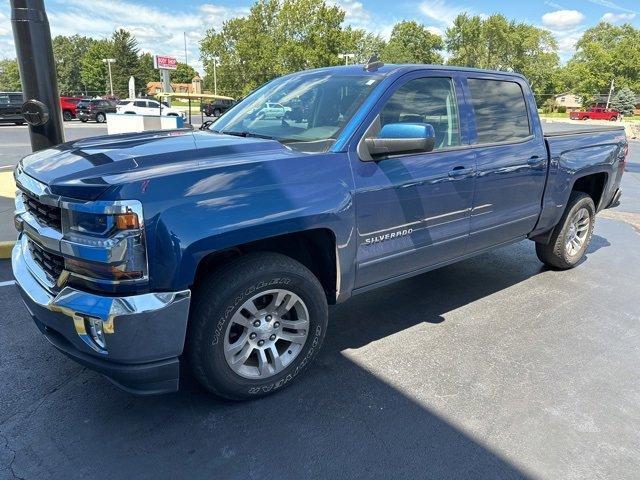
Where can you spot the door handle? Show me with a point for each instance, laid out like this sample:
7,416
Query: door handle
535,161
459,171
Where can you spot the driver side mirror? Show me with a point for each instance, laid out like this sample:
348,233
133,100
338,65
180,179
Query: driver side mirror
396,139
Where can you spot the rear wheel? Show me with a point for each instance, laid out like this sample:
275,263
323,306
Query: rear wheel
83,120
100,117
67,116
217,112
571,237
255,325
614,119
19,123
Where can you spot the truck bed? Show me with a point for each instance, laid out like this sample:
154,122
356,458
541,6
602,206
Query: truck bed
558,129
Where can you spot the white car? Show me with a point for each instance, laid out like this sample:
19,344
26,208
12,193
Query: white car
143,106
271,110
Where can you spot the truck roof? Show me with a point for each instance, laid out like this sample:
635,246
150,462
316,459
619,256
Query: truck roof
392,69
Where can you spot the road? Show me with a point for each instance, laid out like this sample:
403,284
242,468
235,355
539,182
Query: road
490,368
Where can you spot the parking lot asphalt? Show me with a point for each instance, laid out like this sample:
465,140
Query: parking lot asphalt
494,367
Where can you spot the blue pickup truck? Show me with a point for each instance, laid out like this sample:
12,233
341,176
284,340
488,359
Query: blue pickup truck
219,250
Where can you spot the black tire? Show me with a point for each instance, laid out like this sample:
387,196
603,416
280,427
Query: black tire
101,117
84,120
217,298
19,123
217,112
67,116
555,253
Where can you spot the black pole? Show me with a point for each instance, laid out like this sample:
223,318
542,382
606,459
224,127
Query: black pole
34,50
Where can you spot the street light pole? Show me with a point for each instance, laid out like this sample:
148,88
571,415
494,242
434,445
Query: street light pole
109,61
216,59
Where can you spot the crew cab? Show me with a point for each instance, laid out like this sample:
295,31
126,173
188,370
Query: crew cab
11,108
219,250
69,107
596,113
144,106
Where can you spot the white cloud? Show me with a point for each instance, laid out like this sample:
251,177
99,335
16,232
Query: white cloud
561,19
618,17
443,13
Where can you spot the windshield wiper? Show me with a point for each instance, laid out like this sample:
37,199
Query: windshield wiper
247,134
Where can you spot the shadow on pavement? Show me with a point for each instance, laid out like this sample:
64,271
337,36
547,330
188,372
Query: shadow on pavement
338,421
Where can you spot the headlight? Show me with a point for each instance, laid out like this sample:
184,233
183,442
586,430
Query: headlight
104,241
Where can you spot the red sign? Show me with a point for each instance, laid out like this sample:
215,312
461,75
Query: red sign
166,63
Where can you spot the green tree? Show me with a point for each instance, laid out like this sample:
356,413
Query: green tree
93,71
183,74
411,42
69,53
124,48
624,101
361,43
146,72
496,43
277,37
605,53
9,76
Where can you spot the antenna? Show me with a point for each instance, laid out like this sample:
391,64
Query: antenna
373,63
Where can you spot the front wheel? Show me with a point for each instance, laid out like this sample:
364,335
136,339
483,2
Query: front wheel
101,118
67,116
255,325
571,237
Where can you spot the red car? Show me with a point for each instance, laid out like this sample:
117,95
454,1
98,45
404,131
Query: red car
596,113
69,105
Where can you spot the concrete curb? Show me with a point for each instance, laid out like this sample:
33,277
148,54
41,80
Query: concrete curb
5,249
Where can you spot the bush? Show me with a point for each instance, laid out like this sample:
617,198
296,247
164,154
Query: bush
562,109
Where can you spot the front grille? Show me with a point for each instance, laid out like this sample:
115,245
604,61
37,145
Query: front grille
52,264
45,214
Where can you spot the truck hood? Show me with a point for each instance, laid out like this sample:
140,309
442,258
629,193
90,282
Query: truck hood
86,168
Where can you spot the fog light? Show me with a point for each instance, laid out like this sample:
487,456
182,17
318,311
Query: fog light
97,332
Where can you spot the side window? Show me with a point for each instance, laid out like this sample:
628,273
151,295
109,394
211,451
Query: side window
500,110
426,100
140,103
152,104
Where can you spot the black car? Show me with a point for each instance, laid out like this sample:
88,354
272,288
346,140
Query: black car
95,110
217,107
11,107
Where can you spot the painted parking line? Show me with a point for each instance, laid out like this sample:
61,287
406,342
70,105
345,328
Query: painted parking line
7,283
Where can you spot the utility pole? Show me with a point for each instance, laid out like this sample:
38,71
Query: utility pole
216,59
41,107
186,60
109,61
610,93
346,57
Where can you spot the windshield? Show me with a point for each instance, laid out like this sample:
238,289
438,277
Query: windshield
306,111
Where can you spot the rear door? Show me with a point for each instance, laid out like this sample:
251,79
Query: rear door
511,159
413,210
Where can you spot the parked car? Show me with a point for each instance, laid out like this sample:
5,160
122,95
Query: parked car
217,107
11,108
596,113
69,106
144,106
95,109
220,249
270,110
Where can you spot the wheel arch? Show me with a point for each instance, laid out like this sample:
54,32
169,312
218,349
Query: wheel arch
314,248
593,184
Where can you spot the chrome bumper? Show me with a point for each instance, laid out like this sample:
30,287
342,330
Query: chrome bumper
141,332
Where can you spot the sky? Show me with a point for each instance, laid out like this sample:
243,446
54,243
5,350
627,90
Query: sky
159,24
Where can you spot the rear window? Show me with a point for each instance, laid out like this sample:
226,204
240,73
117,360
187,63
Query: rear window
500,110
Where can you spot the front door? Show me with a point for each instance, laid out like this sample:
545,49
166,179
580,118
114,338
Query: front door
413,210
